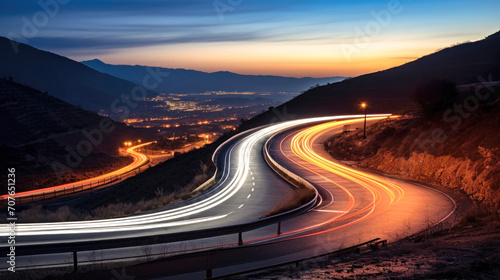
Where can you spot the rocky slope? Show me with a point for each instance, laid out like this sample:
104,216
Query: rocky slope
464,157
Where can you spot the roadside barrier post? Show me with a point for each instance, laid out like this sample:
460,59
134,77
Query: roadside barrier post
75,261
240,239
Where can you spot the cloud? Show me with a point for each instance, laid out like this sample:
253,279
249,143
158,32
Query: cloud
130,42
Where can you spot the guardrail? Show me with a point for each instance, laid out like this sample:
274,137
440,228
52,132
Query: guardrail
292,178
214,159
75,247
370,245
75,188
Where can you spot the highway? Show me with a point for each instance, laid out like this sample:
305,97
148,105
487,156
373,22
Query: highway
139,159
241,195
354,206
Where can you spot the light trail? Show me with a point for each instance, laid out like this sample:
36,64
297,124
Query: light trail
139,159
302,146
160,219
328,217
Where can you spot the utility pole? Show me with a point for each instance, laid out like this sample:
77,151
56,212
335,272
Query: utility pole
363,105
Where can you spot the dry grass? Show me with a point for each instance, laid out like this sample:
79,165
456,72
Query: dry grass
298,198
38,213
468,250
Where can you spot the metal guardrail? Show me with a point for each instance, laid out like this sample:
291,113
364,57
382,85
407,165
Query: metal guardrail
75,188
214,159
294,179
371,245
102,244
289,176
170,237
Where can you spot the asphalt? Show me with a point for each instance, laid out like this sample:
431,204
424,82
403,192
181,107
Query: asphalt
352,210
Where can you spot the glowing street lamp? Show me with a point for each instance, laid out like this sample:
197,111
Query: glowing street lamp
363,105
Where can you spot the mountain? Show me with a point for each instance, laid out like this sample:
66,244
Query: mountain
61,77
191,81
39,130
391,90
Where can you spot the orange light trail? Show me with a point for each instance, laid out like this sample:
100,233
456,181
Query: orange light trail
302,146
139,159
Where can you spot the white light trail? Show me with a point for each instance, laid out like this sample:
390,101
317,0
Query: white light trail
163,219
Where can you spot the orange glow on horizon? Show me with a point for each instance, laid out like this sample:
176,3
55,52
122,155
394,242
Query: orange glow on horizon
273,58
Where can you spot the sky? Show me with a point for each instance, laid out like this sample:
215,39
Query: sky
284,37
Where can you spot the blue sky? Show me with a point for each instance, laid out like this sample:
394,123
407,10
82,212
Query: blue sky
293,38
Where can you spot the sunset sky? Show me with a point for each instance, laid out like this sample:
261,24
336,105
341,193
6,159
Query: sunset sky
285,37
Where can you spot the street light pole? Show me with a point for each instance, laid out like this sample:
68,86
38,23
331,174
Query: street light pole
363,105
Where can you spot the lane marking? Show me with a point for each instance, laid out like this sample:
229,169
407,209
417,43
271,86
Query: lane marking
249,196
329,211
241,206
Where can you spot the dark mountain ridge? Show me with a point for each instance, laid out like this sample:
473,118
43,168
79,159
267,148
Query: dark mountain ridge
390,91
192,81
61,77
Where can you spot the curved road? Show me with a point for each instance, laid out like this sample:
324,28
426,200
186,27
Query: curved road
139,159
242,194
355,206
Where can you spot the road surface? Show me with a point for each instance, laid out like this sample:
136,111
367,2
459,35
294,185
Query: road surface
355,205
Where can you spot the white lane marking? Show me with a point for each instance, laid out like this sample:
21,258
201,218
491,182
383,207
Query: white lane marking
249,196
228,191
329,211
251,173
253,178
254,183
241,206
253,189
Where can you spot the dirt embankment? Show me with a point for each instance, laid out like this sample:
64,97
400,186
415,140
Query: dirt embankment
462,155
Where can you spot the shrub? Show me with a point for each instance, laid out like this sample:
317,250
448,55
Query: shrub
435,96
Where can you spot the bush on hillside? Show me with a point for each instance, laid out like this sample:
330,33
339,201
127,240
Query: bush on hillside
435,96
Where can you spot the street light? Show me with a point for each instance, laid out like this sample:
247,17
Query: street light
363,105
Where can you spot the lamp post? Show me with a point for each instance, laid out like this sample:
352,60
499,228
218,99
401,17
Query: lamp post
363,105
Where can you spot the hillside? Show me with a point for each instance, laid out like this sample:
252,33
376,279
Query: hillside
38,129
191,81
389,91
61,77
443,150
